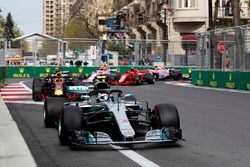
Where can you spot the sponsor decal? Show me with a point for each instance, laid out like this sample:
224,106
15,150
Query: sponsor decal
230,77
80,69
75,74
21,74
230,85
185,75
58,92
213,84
189,70
200,82
213,76
199,75
47,69
77,88
43,75
248,86
21,70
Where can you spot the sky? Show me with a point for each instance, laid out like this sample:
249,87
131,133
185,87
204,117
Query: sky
27,14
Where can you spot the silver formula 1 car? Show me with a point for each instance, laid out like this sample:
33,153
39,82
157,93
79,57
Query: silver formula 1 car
109,117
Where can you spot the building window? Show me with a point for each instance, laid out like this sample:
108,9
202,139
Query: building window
186,4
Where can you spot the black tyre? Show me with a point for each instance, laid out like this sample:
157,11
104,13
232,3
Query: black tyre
70,119
36,89
52,108
177,76
165,116
150,79
137,80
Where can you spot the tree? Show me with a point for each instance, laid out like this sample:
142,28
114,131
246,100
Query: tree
2,24
77,27
9,27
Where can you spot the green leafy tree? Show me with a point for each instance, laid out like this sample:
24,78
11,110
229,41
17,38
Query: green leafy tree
11,31
2,25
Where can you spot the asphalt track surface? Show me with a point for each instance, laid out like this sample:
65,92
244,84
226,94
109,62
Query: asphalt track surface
216,129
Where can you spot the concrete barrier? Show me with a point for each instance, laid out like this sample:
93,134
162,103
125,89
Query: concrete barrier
13,148
222,79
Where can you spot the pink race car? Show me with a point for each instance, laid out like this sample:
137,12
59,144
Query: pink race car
166,73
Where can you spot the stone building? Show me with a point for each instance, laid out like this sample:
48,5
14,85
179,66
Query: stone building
55,16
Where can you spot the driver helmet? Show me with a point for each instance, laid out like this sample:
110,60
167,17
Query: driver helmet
103,97
58,72
70,79
46,79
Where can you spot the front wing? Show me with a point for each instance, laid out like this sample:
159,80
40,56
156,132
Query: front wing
82,138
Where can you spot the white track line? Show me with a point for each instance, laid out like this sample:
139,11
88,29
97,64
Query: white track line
210,88
137,158
26,87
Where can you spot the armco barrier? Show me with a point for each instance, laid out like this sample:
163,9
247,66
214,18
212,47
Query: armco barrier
222,79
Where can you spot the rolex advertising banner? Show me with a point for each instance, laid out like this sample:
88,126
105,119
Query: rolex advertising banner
20,72
41,72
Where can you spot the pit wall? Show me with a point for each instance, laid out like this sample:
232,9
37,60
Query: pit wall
221,79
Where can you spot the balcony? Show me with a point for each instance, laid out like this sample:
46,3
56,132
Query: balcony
224,13
194,15
124,8
134,3
154,18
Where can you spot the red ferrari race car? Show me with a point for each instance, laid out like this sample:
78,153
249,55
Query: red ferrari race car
132,77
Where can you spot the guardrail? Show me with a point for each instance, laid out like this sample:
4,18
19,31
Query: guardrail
222,79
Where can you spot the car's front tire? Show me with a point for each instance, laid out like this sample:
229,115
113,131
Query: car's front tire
51,111
166,116
70,119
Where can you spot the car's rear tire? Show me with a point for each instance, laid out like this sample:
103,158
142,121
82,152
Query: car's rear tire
177,76
36,89
70,119
165,116
52,108
150,79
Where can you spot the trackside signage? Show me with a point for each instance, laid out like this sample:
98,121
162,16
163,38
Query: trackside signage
230,84
200,80
213,83
248,86
222,79
22,73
